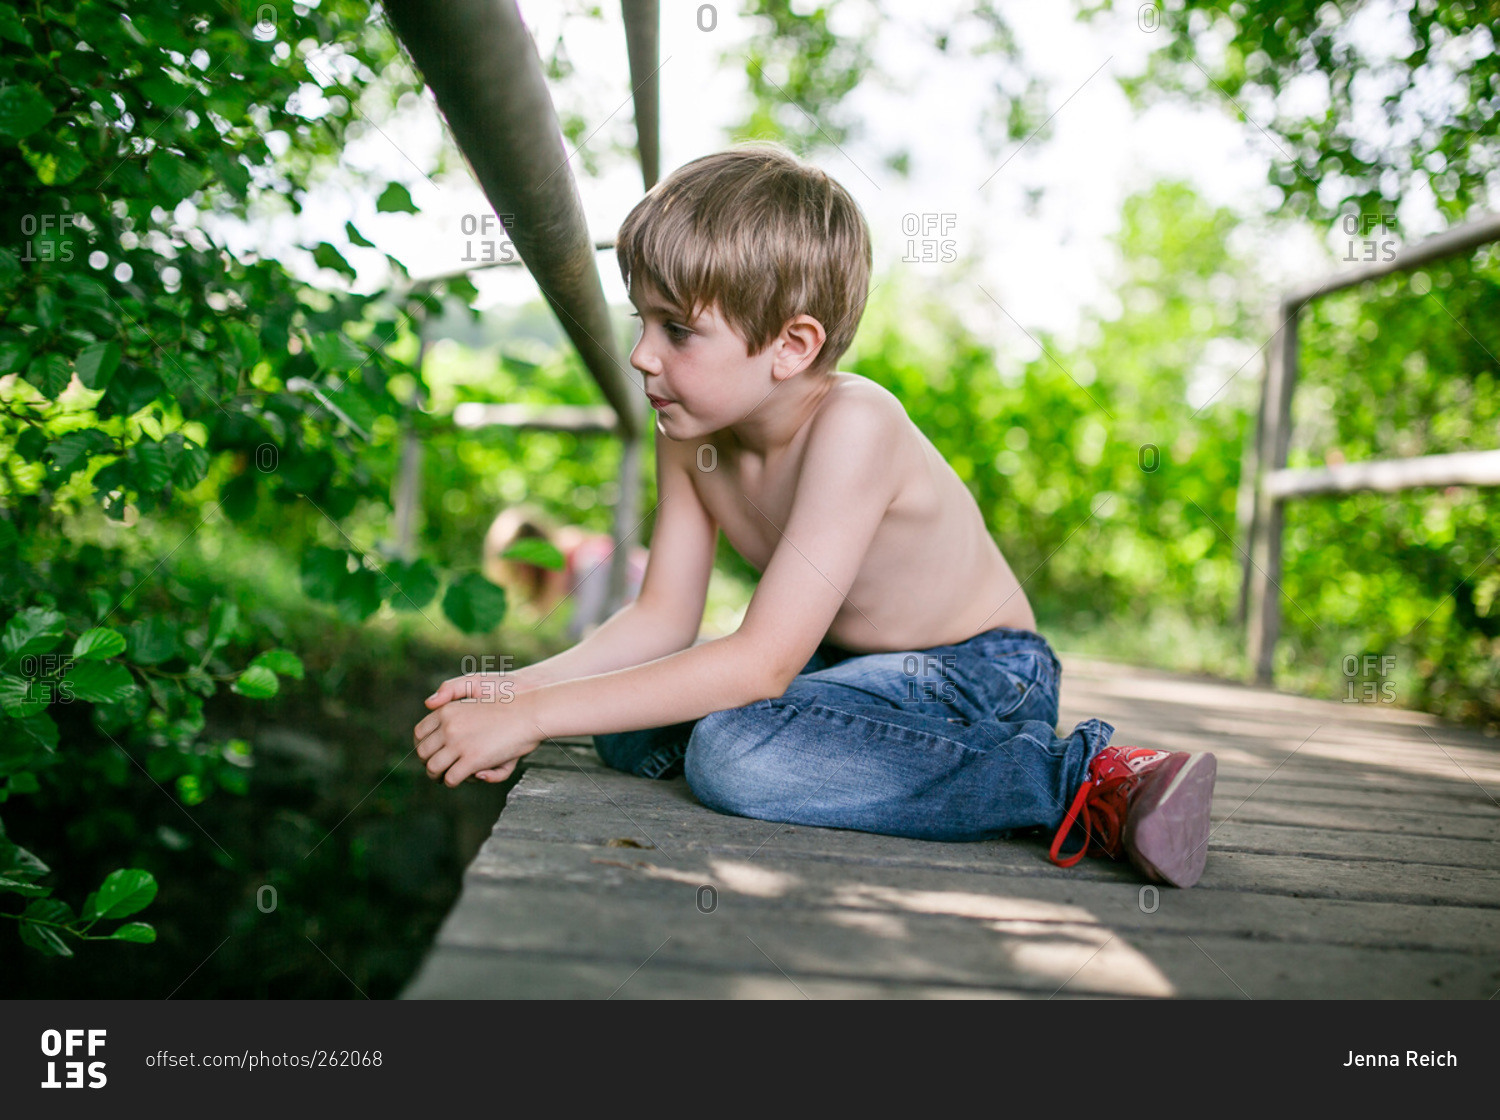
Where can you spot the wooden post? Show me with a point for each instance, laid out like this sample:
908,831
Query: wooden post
1245,505
1265,560
627,513
409,474
642,36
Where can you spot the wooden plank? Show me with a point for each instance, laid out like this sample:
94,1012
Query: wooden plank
1250,836
1463,468
1252,971
1128,907
1391,822
659,923
1471,802
475,974
1449,243
605,808
554,418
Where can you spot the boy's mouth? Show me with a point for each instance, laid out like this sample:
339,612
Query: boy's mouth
658,402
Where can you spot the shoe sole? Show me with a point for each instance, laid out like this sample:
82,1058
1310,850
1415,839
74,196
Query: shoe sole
1167,834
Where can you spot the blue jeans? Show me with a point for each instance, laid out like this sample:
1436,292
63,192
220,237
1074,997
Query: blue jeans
956,742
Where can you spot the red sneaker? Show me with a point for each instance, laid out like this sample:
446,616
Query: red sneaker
1149,805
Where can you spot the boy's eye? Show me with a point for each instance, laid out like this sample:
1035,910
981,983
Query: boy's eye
674,331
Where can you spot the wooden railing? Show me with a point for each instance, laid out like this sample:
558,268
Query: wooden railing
1267,484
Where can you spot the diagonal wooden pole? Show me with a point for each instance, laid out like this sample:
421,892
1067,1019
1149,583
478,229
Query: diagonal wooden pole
482,66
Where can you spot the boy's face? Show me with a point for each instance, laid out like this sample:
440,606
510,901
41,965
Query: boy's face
701,371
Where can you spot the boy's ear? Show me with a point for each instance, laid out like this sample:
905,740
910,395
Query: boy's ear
799,344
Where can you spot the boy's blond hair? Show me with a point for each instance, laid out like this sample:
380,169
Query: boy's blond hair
759,234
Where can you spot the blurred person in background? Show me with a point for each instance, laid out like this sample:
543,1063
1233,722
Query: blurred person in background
583,577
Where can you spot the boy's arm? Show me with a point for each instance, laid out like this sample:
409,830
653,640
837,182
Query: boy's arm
665,616
847,482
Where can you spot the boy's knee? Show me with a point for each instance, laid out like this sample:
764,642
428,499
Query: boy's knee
723,767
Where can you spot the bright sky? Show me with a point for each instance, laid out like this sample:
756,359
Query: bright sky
1042,261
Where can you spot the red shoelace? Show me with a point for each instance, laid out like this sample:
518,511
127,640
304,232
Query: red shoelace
1102,802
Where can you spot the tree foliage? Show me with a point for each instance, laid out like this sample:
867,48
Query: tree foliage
1364,101
151,381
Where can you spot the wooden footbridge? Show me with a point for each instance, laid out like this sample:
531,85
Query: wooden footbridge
1354,855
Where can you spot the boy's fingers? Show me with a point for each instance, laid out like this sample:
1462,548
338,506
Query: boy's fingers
458,688
439,762
499,774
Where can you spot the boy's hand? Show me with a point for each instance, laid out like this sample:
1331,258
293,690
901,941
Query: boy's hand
482,737
480,686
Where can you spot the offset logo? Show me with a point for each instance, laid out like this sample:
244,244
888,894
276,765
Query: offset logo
66,1044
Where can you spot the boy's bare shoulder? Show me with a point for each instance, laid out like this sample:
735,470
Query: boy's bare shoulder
858,399
857,408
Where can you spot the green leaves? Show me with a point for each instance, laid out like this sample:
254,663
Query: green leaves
474,604
122,892
326,256
14,355
333,352
257,682
535,550
174,340
71,452
395,199
330,575
48,924
282,661
134,931
98,644
34,630
99,682
176,177
152,640
42,925
23,110
49,373
245,341
417,583
97,364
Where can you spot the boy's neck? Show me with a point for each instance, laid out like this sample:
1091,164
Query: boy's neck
773,424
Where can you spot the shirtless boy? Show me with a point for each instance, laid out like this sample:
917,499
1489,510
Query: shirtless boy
887,675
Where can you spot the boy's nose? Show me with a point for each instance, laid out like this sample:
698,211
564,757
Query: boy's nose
642,358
